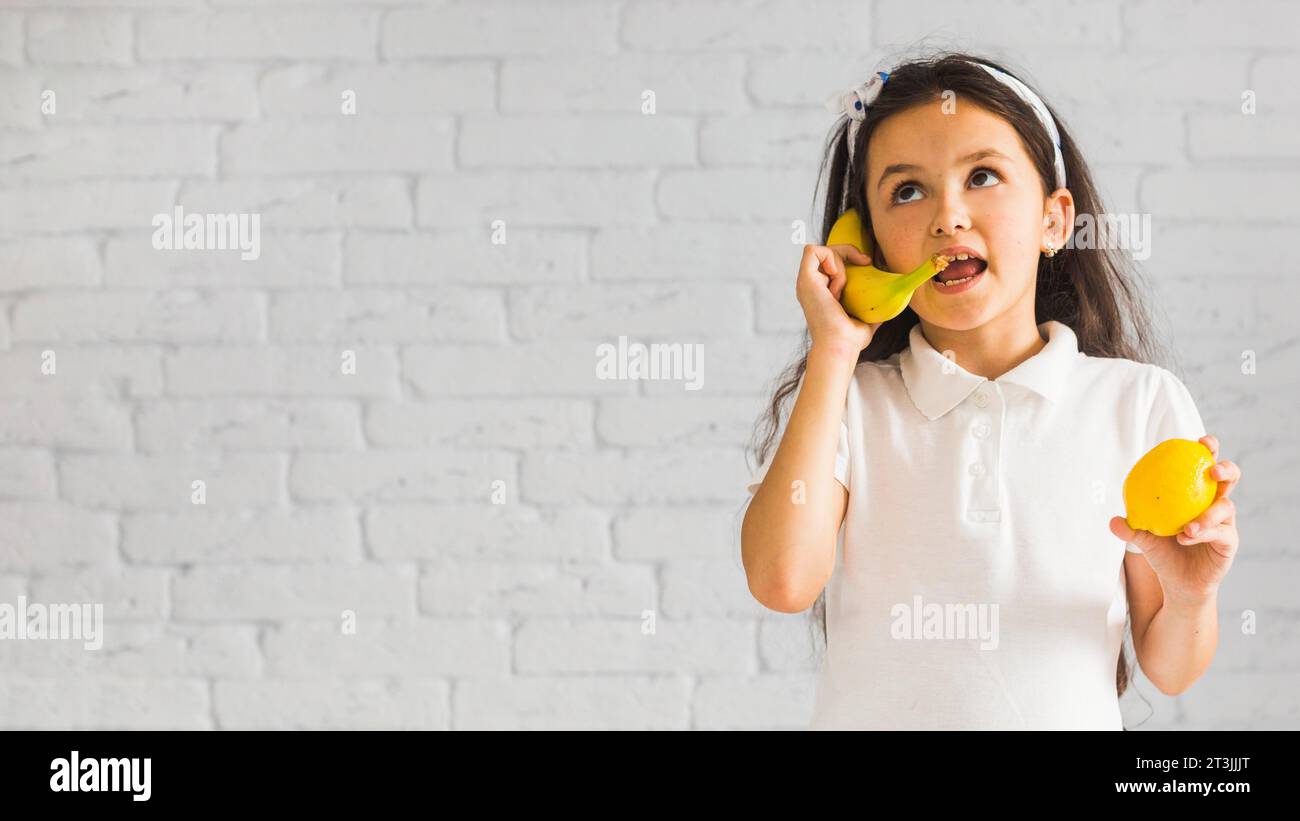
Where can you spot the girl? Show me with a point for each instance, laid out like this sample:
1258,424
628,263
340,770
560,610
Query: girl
973,448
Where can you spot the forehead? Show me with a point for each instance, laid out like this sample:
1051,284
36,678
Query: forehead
926,136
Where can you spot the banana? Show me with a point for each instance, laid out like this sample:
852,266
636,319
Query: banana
870,294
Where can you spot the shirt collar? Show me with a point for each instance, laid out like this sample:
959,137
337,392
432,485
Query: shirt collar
937,384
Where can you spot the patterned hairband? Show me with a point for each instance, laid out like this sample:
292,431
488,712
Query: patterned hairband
855,101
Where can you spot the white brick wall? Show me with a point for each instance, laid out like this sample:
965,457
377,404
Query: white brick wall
372,493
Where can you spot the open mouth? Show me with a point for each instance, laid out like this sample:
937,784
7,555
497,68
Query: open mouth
961,269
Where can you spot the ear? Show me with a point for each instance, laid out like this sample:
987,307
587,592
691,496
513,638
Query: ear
1058,218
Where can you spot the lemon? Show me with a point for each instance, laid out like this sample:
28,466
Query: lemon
1169,487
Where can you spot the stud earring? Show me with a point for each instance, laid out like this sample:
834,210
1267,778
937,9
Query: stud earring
1050,252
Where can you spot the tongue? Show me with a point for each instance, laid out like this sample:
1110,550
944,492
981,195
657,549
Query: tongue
959,268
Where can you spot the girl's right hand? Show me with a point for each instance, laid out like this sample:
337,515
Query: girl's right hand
821,281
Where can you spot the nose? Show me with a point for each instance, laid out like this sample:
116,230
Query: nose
950,214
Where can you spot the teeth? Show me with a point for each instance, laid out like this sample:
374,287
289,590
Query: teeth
965,256
953,282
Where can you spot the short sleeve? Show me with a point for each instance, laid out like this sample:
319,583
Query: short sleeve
1173,415
841,452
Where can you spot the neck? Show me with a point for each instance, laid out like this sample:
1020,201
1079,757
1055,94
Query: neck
990,350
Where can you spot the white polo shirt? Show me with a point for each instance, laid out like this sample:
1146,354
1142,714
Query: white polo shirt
977,584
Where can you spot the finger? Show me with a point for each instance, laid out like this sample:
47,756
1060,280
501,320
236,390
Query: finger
1221,512
1219,534
1211,443
1226,473
852,254
1144,539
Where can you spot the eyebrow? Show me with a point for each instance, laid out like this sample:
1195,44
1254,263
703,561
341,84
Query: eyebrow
900,168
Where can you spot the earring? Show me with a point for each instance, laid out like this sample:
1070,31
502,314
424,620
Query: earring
1050,252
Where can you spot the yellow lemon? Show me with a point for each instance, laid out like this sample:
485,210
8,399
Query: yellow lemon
1169,487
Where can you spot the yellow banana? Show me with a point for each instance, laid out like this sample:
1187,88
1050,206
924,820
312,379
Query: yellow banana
870,294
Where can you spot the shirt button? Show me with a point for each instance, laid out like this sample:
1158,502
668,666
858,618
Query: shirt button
981,430
981,398
976,469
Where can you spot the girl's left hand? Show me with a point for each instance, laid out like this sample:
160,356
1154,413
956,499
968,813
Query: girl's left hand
1191,564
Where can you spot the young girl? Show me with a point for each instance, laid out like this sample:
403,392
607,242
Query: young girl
973,448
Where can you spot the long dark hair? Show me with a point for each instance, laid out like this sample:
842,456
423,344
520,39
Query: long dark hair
1096,292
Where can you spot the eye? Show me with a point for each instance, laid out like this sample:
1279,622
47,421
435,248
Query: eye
983,174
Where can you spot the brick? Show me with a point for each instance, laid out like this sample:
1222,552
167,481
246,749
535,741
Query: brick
626,702
707,588
74,152
81,372
479,423
649,533
507,532
736,195
54,536
587,646
1250,196
27,473
164,482
56,207
790,644
79,38
1242,136
439,475
1242,701
532,198
339,145
277,592
317,90
172,316
563,368
101,703
465,256
306,535
292,371
143,650
667,421
175,92
766,138
1270,79
763,702
632,476
81,424
1203,24
247,424
695,83
333,705
577,141
425,647
737,25
758,253
1033,25
284,261
126,593
43,262
347,34
493,27
678,312
306,204
389,316
501,589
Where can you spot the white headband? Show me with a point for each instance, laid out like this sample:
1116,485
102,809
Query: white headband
855,101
